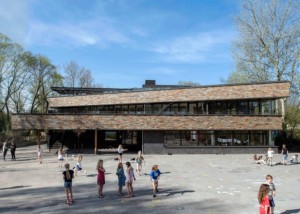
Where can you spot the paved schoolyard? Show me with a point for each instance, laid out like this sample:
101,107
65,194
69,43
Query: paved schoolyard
189,184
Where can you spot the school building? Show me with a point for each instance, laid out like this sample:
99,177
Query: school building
162,119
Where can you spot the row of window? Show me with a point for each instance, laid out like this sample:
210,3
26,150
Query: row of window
216,138
235,107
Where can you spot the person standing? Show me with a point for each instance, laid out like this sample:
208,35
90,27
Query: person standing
154,176
13,148
284,153
120,152
68,175
121,177
100,178
270,154
272,192
129,174
60,157
4,149
263,199
39,153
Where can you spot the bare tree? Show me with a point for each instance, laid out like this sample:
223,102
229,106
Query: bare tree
77,76
72,71
268,47
188,83
85,79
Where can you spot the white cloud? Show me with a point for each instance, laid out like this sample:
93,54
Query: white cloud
93,32
14,19
203,47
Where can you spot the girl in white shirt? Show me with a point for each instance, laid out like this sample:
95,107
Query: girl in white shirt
270,154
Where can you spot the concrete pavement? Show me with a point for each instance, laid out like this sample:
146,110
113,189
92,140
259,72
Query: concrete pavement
189,184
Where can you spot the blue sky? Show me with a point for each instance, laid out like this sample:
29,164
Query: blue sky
125,42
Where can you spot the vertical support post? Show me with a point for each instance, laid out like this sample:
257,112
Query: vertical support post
142,141
96,141
271,143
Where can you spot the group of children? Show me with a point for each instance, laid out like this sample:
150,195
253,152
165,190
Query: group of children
125,177
269,157
266,196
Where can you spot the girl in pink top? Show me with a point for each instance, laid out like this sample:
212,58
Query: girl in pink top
100,178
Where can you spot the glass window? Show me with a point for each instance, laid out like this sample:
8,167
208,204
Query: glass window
156,108
183,108
174,108
192,108
148,109
240,138
231,106
139,109
223,138
242,107
110,135
118,109
253,107
125,109
131,108
172,138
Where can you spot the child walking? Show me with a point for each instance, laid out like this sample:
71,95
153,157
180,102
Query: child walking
68,175
272,192
154,176
100,178
139,161
121,177
13,148
284,153
4,150
263,199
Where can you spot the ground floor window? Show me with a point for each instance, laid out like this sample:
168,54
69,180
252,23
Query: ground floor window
216,138
130,137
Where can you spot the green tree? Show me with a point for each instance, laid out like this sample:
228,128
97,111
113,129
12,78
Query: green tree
292,117
43,76
13,75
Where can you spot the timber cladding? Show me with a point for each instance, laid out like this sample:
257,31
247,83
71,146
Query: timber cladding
221,92
140,122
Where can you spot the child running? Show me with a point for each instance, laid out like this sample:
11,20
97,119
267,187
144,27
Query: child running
272,192
263,199
121,177
154,176
39,153
139,161
78,167
68,175
100,178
